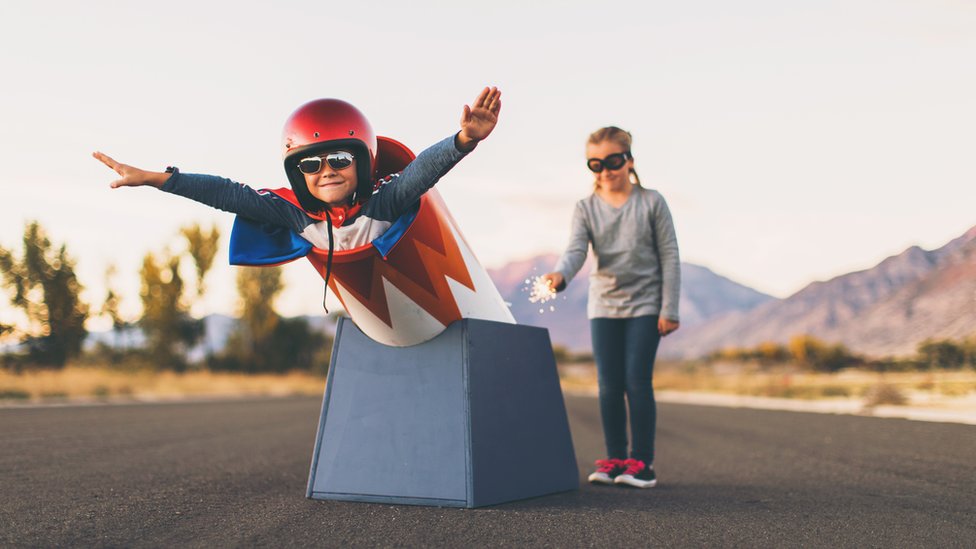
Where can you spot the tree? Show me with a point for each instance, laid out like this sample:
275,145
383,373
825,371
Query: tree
166,319
812,353
258,288
296,345
202,247
944,354
770,352
45,287
969,348
266,342
116,350
110,307
251,343
169,328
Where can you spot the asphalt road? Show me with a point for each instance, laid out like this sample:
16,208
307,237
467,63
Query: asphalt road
234,473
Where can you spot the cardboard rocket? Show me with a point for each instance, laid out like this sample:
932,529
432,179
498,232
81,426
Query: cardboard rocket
434,396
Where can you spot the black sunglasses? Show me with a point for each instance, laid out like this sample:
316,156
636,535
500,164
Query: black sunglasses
338,160
611,162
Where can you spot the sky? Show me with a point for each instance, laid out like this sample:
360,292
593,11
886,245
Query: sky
793,141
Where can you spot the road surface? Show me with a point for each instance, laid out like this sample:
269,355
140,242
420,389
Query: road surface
234,473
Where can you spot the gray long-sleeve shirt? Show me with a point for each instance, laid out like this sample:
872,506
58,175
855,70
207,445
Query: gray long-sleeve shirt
638,269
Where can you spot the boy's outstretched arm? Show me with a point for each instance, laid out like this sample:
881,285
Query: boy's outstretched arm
477,123
131,176
478,120
217,192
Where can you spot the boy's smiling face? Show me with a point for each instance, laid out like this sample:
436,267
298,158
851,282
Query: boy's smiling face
330,185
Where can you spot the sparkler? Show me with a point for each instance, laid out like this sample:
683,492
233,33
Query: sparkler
539,292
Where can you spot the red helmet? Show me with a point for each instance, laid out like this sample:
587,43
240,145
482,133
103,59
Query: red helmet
328,124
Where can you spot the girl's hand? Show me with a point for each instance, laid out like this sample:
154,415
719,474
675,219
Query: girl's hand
131,176
478,120
555,281
665,326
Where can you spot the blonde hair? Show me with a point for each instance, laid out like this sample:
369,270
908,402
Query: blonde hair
620,137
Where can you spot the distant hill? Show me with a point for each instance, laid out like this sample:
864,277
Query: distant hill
704,295
886,310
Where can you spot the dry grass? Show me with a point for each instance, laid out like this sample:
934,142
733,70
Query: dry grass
102,383
884,394
95,383
786,381
578,378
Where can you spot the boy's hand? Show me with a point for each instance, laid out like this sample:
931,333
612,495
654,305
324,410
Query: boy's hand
131,176
478,120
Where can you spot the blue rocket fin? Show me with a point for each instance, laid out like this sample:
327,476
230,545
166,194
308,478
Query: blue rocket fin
384,243
258,244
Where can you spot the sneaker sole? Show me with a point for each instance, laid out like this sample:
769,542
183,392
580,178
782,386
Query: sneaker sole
629,480
600,478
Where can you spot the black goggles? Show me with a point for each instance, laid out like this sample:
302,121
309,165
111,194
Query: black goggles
611,162
338,160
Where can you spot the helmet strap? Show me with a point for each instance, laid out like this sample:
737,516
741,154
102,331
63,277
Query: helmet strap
328,262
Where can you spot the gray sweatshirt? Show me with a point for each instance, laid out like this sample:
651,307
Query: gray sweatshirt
637,265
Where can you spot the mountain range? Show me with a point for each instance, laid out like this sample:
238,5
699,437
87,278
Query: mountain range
886,310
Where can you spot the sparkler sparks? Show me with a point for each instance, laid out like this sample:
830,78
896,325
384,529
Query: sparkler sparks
540,291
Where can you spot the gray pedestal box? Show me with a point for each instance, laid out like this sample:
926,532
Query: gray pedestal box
472,417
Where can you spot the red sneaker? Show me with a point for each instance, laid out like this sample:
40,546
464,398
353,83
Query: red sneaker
637,474
606,471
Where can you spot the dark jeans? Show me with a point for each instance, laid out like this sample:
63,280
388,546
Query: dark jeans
624,349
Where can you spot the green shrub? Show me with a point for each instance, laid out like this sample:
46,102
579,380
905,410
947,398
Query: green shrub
13,394
835,391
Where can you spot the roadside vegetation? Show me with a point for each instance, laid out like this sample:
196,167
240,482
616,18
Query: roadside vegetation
807,368
89,383
160,354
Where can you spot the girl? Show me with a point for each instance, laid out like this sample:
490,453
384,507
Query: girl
633,299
